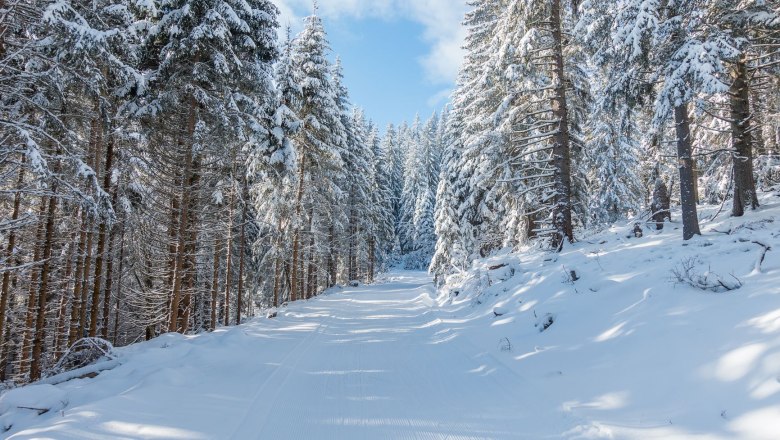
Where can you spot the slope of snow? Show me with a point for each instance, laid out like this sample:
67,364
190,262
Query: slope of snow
629,351
517,348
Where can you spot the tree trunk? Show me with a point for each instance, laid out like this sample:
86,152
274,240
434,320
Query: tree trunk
562,219
214,286
352,257
109,287
241,239
690,215
9,250
229,259
119,284
103,235
310,269
742,142
32,300
332,255
191,251
371,259
83,301
40,321
184,205
278,263
297,230
96,147
75,306
61,335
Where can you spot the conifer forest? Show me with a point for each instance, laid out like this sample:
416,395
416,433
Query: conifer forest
193,167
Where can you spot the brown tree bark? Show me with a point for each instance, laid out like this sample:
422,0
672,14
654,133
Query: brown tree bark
562,219
371,260
32,298
278,264
241,239
690,216
184,205
214,285
310,268
119,284
192,239
95,149
61,335
229,260
75,307
84,301
742,142
9,250
297,230
43,292
103,236
333,257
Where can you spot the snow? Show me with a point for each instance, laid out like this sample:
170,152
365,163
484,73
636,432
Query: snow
623,351
20,405
40,397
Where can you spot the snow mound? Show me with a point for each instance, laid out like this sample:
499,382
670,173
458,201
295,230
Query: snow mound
41,398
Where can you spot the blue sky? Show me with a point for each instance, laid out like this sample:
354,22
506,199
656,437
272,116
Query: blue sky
400,57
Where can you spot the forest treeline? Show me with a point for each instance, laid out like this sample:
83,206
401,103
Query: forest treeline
574,114
174,165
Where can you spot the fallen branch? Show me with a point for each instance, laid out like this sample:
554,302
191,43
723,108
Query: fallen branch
761,259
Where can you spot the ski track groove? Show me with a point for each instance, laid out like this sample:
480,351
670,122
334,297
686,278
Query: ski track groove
257,397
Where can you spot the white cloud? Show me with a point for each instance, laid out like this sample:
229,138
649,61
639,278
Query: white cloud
442,96
441,20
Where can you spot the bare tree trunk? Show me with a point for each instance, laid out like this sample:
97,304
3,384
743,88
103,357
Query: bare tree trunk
75,307
297,230
562,218
110,259
191,248
690,215
332,257
40,321
742,142
310,269
9,250
103,235
96,147
371,259
83,301
61,334
108,288
241,240
183,235
229,259
278,264
214,286
32,300
352,248
119,284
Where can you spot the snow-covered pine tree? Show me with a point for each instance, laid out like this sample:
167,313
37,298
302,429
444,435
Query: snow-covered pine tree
273,163
394,169
320,143
673,46
382,193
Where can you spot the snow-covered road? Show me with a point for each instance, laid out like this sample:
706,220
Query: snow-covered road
372,362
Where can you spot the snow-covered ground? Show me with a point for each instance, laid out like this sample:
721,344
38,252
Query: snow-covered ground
626,352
